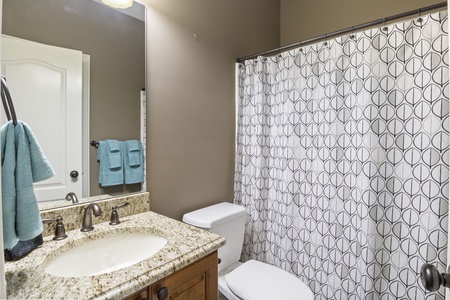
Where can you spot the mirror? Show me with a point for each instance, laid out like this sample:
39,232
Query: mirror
114,42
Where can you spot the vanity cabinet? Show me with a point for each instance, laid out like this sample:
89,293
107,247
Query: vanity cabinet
198,281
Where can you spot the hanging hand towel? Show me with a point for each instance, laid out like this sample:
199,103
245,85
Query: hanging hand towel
22,164
109,155
10,237
40,166
133,162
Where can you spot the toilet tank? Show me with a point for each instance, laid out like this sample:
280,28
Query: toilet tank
224,219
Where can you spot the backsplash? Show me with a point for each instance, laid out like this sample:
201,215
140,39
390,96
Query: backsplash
73,215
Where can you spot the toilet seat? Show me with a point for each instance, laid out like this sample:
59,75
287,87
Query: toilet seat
254,280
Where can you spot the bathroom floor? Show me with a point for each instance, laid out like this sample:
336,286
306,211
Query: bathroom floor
222,297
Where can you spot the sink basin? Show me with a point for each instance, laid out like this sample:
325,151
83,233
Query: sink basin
105,255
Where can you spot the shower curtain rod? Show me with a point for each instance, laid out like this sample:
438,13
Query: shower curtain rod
345,31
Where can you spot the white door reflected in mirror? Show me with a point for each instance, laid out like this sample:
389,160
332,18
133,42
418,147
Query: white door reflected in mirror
46,86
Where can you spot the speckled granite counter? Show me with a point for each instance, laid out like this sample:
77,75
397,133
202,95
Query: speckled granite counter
26,278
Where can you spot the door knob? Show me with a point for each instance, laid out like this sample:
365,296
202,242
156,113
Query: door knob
432,279
74,174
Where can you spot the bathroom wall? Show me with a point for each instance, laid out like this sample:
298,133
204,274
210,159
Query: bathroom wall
304,19
191,96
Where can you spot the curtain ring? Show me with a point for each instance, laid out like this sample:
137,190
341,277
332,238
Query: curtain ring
352,36
419,19
385,27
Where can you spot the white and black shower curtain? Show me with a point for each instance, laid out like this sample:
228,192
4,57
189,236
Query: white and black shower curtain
342,160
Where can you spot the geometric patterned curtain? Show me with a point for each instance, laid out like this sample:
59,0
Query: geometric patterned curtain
342,160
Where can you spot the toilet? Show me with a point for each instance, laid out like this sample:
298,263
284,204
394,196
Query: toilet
252,280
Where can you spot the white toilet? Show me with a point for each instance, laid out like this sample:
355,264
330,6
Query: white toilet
252,280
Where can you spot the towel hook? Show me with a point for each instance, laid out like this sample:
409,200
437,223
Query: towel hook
7,101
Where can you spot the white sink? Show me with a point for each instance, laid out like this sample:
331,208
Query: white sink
105,255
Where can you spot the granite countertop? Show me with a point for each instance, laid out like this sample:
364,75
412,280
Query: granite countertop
26,278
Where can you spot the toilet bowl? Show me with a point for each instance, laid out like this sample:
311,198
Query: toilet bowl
251,280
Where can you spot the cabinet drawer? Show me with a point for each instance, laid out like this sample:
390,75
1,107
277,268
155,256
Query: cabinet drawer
197,281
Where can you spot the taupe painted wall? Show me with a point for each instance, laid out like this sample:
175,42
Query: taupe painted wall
304,19
191,100
116,45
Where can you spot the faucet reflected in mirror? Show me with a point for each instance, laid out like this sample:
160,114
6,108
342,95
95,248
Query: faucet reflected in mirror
72,197
28,19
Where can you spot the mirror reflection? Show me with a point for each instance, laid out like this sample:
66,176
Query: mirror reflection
106,84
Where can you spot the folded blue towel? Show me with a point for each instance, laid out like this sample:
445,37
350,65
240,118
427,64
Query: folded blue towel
109,175
133,162
134,153
114,154
22,164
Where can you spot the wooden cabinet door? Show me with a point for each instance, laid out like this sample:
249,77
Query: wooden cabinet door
198,281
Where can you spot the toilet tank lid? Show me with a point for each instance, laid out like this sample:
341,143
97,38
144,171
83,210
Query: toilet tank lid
213,215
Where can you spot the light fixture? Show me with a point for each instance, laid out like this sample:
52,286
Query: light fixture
118,3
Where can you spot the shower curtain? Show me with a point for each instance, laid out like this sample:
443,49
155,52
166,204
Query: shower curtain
342,160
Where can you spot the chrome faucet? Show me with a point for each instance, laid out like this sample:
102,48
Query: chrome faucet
72,197
87,219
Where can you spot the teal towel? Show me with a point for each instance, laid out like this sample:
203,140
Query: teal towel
23,163
40,166
133,162
134,153
114,154
10,237
109,175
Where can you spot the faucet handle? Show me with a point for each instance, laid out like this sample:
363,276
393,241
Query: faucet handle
115,214
60,231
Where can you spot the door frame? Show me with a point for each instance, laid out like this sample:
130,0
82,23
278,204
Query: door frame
85,123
